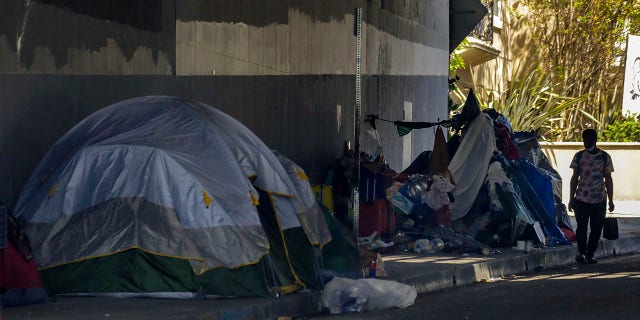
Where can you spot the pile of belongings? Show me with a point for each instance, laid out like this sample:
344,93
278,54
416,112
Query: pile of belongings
486,187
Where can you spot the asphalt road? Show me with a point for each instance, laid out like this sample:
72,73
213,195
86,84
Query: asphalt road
607,290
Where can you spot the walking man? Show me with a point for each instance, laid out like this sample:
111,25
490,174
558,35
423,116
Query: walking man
590,187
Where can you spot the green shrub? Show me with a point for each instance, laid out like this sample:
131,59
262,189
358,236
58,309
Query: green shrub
623,129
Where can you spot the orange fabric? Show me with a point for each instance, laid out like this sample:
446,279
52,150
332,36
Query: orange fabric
440,155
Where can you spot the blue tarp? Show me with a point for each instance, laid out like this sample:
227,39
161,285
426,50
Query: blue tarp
541,184
534,204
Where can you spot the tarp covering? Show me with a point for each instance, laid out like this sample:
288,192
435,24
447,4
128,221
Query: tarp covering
518,197
527,143
534,204
541,184
189,159
470,163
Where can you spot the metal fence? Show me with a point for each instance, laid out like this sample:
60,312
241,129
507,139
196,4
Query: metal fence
484,29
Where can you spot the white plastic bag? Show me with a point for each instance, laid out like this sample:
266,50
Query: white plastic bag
343,295
389,294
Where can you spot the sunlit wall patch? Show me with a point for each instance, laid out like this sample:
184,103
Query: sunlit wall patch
339,116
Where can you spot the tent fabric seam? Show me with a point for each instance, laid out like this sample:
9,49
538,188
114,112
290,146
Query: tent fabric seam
284,244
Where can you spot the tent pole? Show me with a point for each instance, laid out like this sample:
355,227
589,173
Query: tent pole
275,287
358,104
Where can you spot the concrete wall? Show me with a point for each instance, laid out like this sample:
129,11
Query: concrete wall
625,157
283,68
293,41
87,37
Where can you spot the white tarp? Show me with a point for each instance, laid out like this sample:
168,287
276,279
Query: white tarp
163,174
470,163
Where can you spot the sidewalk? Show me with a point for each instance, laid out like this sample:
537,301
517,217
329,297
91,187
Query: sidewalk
427,272
626,209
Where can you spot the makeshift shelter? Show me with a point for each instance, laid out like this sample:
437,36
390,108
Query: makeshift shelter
499,196
488,138
470,163
167,197
20,282
529,148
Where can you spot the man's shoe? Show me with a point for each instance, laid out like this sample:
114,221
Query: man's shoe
591,260
581,259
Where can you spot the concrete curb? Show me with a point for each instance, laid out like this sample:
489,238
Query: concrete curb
509,265
307,304
304,304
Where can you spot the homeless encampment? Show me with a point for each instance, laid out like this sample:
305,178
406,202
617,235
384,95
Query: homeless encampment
523,195
499,196
166,197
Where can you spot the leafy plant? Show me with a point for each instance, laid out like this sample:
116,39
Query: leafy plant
583,42
455,60
623,129
452,104
532,105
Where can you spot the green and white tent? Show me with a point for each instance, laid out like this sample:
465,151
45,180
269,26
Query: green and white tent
166,197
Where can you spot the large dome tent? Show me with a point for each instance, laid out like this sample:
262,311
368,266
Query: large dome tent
163,196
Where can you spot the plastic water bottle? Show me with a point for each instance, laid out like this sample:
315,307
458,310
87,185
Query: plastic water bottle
423,246
438,244
372,269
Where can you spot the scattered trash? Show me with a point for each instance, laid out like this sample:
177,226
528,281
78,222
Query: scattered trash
342,295
423,246
369,239
438,244
372,262
372,269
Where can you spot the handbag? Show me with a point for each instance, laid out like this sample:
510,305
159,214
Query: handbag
610,228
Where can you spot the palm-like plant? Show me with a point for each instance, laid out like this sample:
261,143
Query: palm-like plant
533,105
